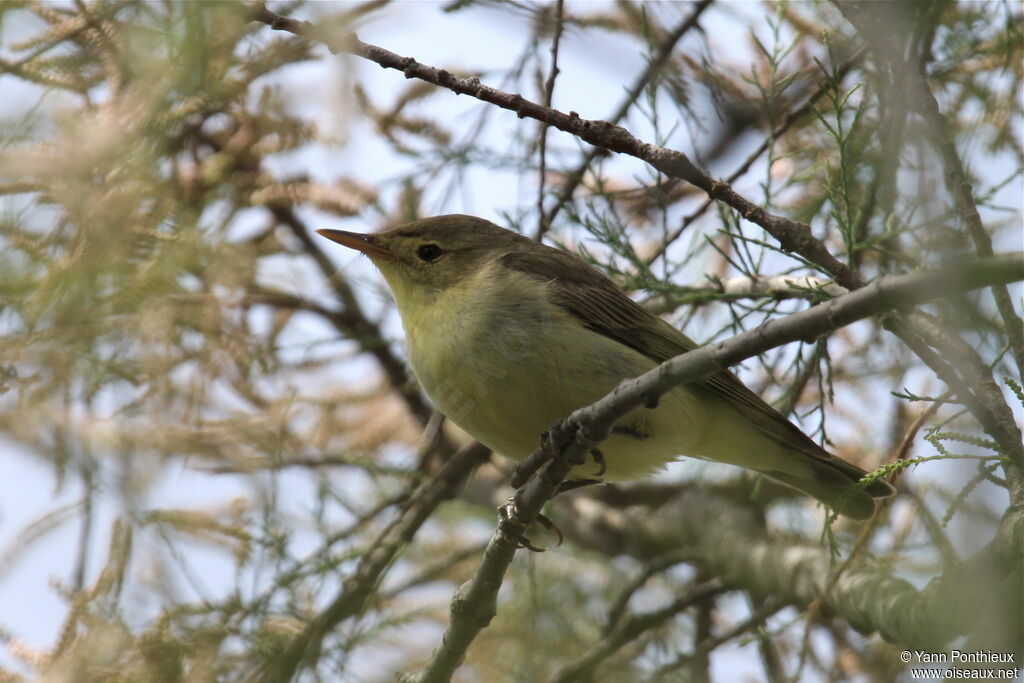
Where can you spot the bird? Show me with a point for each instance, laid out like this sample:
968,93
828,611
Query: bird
507,335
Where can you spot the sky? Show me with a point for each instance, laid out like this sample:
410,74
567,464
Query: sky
590,83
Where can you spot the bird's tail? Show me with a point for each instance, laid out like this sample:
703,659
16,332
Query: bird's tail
755,437
834,483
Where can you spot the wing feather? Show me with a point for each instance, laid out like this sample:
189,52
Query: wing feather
604,308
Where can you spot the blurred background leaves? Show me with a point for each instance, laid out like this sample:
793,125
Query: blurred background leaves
169,321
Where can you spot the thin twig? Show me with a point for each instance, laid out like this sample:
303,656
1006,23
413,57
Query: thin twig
657,565
787,121
251,465
434,570
988,405
753,621
657,61
877,33
358,588
475,603
88,518
549,90
630,628
867,531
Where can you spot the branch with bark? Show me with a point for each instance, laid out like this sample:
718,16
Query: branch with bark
975,389
358,587
792,235
733,547
876,28
165,302
656,63
776,287
951,358
568,443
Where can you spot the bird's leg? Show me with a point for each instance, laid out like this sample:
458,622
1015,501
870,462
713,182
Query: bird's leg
549,448
551,443
516,536
546,522
507,511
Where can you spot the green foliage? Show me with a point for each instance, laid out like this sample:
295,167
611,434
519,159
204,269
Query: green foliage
223,403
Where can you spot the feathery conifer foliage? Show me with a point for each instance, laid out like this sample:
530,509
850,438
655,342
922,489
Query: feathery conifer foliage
219,459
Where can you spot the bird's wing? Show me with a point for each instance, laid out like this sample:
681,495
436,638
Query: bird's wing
601,306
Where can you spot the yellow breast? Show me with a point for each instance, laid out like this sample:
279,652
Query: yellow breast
504,363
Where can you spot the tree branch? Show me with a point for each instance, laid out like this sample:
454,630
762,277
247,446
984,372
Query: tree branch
630,628
475,602
775,287
735,550
357,589
793,236
549,91
655,64
593,423
878,34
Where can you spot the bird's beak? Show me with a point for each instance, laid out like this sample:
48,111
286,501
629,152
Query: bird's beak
357,241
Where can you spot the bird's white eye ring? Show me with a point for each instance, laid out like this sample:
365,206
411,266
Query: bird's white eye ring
428,252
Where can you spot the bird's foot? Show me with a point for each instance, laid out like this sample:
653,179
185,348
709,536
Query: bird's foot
513,530
549,448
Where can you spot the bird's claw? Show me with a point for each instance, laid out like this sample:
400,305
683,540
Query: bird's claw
513,530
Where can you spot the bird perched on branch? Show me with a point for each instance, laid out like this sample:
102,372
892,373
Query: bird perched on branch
507,335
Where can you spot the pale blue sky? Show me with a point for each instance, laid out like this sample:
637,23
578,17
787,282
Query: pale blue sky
594,73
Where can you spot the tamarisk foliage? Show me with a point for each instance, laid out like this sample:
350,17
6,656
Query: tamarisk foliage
218,465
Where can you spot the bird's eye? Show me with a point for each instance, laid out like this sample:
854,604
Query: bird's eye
428,252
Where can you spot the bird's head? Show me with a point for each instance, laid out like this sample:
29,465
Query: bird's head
433,254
